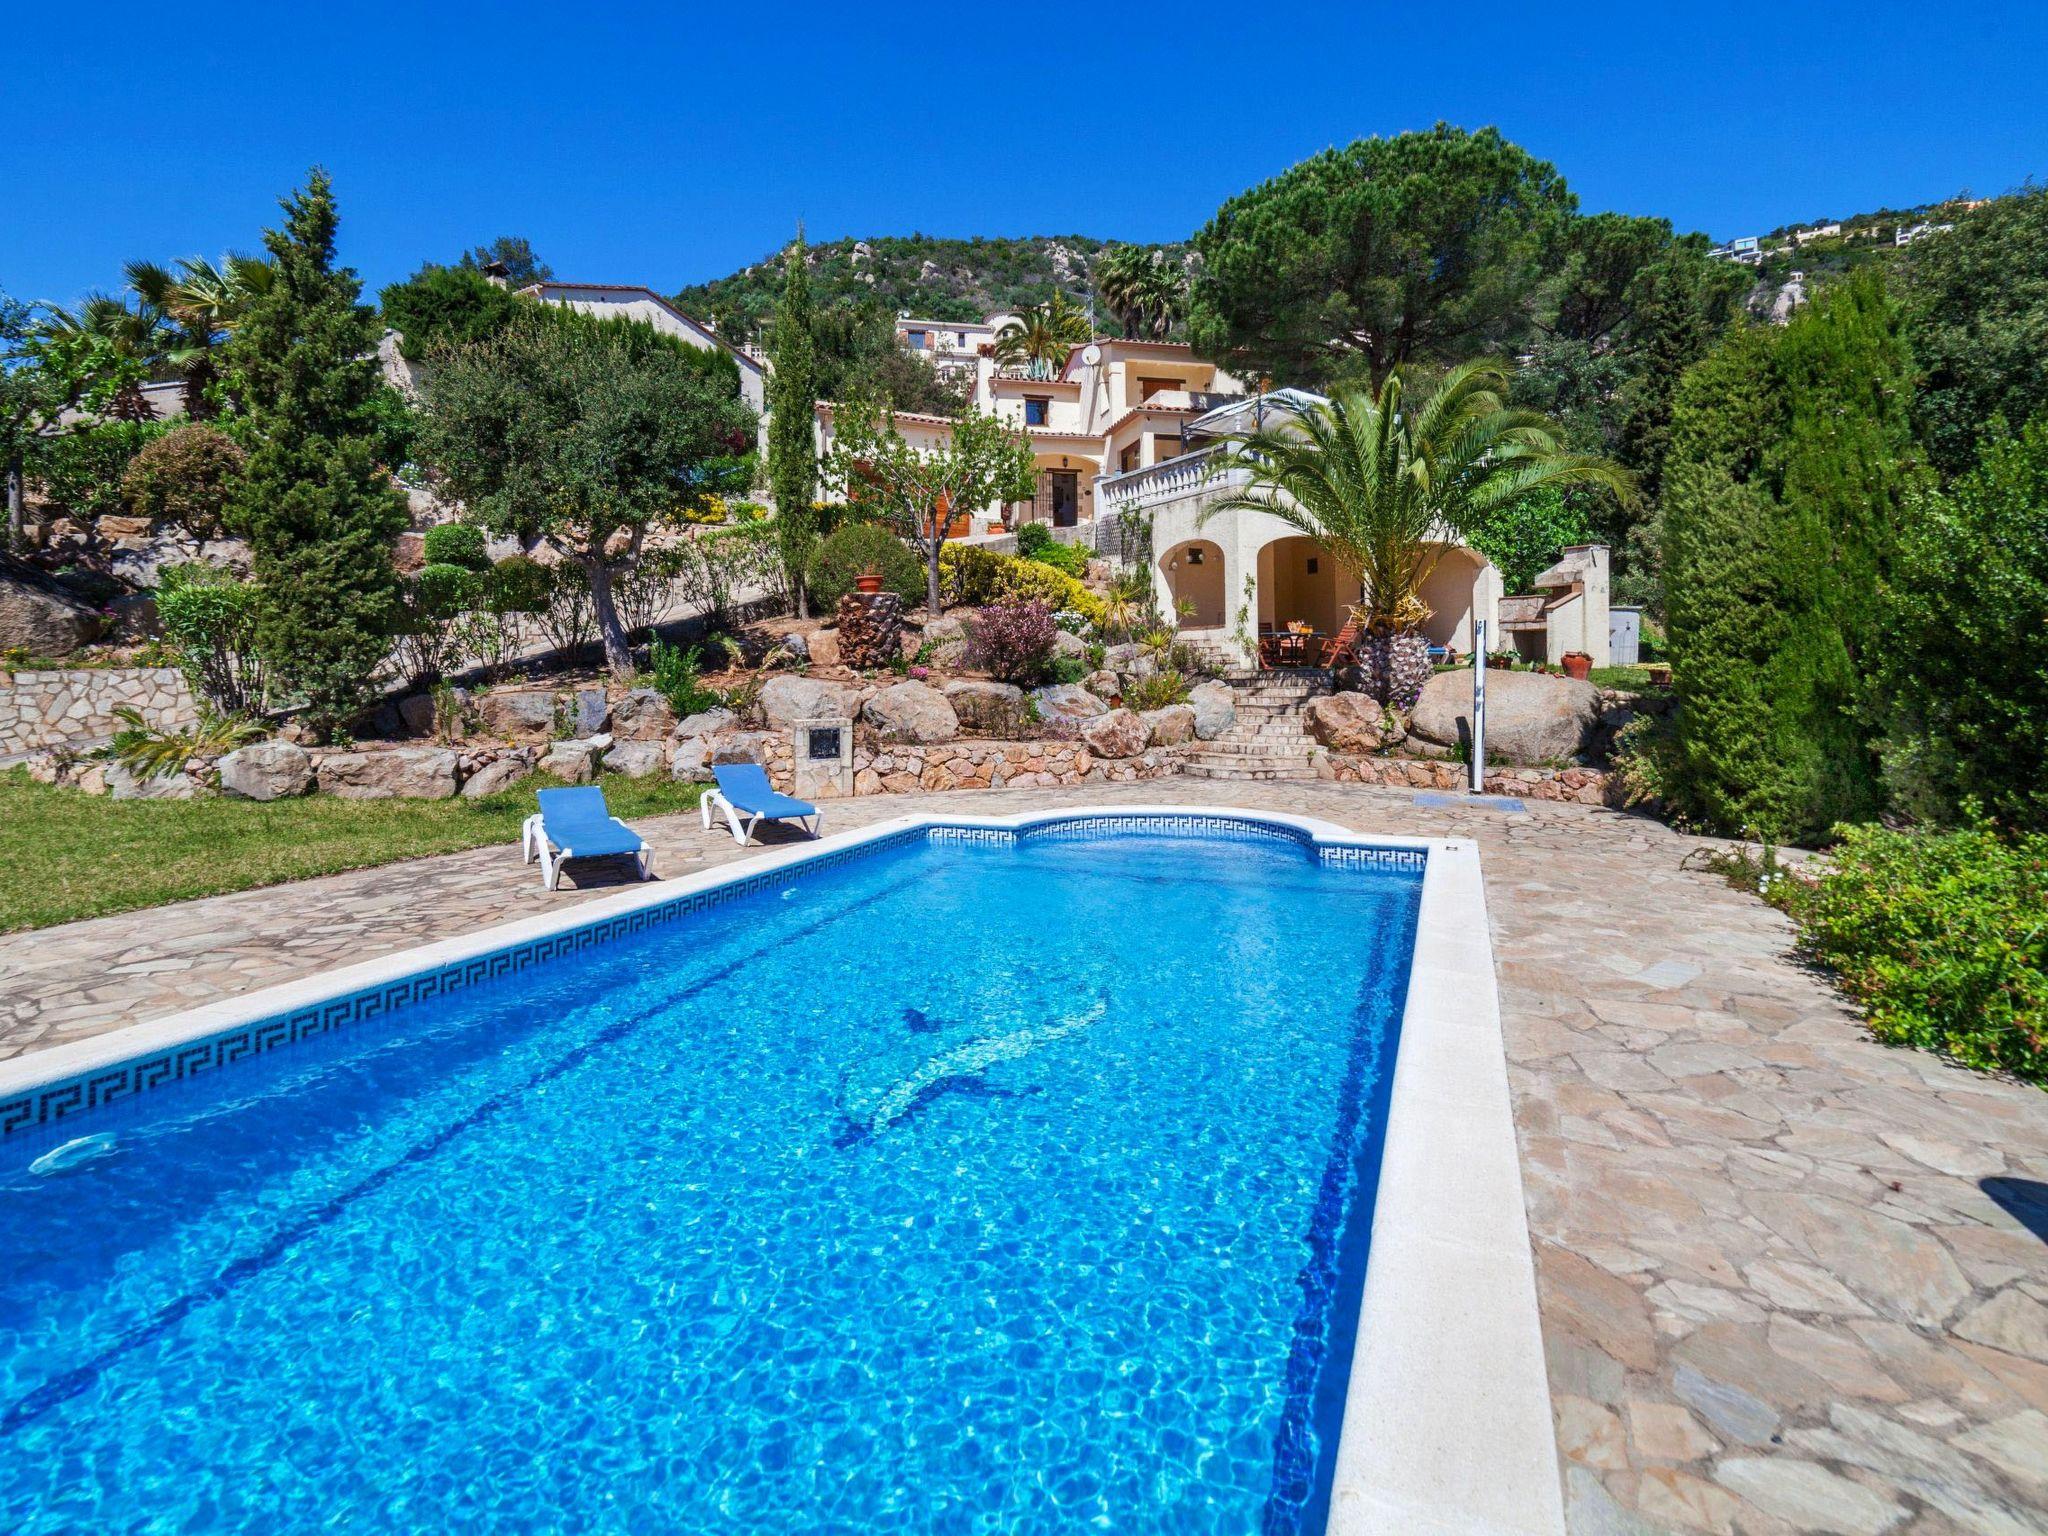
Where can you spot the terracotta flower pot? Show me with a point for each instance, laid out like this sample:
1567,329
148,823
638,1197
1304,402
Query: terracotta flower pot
869,582
1578,664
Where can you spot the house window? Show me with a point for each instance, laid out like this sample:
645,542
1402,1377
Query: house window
914,340
1035,409
1147,388
1128,459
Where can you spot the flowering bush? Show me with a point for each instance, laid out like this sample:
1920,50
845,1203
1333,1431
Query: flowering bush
1012,641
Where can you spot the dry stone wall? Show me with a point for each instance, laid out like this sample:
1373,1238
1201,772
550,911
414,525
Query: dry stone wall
74,706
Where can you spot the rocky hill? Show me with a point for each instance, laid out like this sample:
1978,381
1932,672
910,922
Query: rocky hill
932,278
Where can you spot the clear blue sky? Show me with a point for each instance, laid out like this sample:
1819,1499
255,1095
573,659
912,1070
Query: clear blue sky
667,144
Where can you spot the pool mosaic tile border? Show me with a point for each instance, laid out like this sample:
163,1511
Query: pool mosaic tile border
45,1106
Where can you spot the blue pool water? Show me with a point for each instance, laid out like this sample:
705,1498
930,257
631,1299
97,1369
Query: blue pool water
960,1188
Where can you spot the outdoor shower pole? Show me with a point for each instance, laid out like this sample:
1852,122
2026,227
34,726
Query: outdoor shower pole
1479,706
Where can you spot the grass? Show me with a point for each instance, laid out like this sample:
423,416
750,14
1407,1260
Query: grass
1636,677
70,855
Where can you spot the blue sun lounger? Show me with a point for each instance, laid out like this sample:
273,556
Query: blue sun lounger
743,791
577,824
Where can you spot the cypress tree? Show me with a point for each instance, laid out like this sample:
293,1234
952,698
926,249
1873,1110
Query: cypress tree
1790,454
316,504
792,449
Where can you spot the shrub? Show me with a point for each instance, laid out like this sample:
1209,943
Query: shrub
566,618
713,569
979,576
678,674
457,544
1012,641
423,625
186,477
1067,559
1963,675
516,584
83,471
848,551
1943,937
1157,691
1032,538
209,621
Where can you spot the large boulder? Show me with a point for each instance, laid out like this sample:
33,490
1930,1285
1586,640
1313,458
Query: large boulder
1350,722
707,722
1104,684
744,747
38,615
637,759
142,562
589,712
518,714
1215,707
787,698
1116,734
398,773
492,777
124,785
574,762
266,770
947,637
1064,644
1172,726
911,712
1531,717
997,708
642,715
1067,701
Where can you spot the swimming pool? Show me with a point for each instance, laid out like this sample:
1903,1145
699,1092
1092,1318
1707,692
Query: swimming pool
976,1180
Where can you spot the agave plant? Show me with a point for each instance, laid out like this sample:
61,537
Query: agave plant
151,752
1043,337
1385,485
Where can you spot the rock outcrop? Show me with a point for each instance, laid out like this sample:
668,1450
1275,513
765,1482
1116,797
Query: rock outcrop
39,615
1215,708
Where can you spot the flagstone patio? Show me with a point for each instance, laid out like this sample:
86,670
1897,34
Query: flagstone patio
1790,1280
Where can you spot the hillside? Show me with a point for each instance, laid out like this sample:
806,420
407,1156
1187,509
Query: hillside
932,278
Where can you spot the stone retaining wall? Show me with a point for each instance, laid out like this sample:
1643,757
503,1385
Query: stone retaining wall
1582,786
74,706
904,767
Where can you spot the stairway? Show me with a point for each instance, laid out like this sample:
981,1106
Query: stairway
1267,740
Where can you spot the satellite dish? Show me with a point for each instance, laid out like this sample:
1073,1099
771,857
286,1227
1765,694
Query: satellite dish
1091,355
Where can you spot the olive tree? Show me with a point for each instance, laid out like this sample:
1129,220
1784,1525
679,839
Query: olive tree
585,436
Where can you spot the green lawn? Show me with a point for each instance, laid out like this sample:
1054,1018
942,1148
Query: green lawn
1636,677
67,855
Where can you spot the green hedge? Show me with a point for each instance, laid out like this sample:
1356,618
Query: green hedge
1943,937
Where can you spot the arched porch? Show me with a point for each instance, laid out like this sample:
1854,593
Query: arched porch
1193,570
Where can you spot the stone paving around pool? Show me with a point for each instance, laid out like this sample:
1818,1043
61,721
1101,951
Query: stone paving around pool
1791,1280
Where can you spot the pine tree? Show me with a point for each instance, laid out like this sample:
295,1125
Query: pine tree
792,448
316,504
1789,459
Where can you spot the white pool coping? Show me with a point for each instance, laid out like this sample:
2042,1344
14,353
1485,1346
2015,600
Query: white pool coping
1447,1421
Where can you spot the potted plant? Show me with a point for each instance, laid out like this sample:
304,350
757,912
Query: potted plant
1500,661
868,579
1578,664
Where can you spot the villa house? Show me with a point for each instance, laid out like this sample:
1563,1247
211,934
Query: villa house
1127,442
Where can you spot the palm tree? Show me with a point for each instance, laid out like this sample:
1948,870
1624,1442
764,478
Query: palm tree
1044,336
1145,291
1383,486
202,303
114,345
